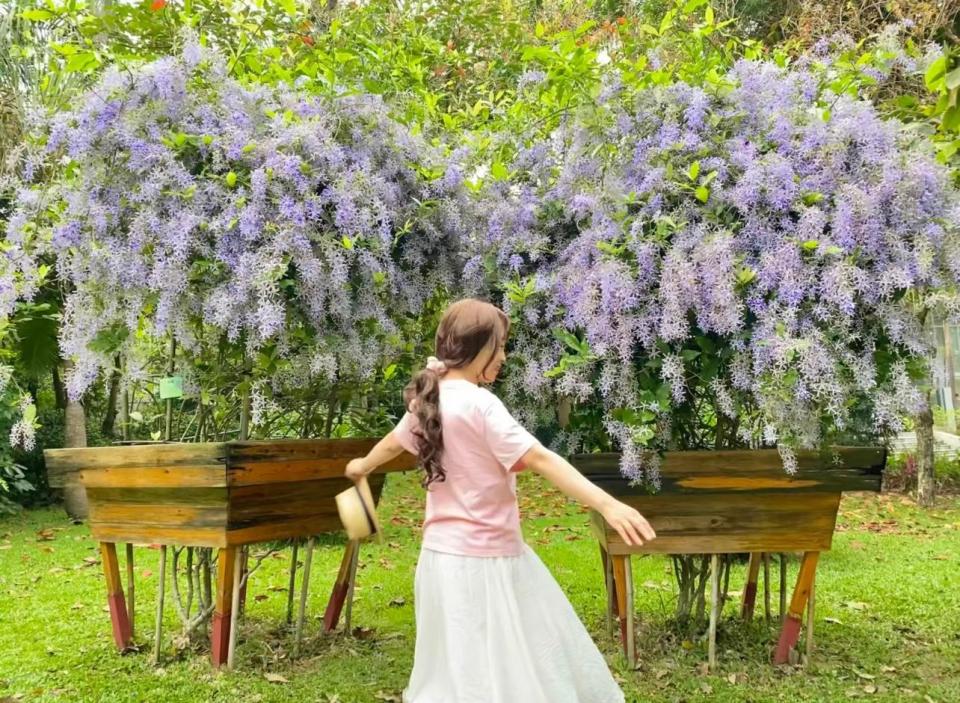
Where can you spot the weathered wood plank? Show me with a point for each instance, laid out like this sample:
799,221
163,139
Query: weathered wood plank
745,471
159,515
730,522
153,495
184,476
256,504
151,534
302,449
61,462
273,472
284,529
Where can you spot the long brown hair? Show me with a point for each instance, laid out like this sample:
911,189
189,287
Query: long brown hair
465,331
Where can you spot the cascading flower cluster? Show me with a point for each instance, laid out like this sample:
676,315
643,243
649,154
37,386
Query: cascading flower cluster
185,201
755,260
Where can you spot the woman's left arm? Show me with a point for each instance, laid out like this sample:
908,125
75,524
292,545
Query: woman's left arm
385,450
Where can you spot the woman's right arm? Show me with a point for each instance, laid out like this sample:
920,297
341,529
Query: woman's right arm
632,527
386,449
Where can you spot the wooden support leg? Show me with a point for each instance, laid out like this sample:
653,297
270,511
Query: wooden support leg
244,563
348,616
783,587
811,611
158,624
791,626
750,589
304,590
130,591
115,600
610,591
293,583
766,586
220,639
238,570
715,607
340,587
623,585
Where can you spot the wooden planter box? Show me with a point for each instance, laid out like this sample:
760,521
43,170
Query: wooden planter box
720,502
222,495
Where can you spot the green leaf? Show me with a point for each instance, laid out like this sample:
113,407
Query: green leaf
702,193
951,119
746,275
935,74
952,79
812,198
289,7
693,171
389,372
810,245
347,242
539,30
136,416
499,171
109,339
231,179
253,63
36,15
81,61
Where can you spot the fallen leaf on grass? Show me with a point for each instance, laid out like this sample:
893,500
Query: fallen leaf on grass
45,535
732,678
864,676
389,697
856,605
870,688
76,606
398,602
833,621
260,597
275,678
888,669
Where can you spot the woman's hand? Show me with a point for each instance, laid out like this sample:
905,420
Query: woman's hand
355,469
629,524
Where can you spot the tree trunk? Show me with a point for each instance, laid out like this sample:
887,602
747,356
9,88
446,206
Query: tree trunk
110,417
75,435
58,389
926,481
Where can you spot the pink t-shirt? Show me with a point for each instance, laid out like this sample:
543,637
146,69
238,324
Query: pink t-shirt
474,512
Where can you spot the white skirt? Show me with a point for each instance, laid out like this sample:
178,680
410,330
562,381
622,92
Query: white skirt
500,630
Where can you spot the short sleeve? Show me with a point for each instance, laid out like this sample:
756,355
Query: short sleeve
404,432
505,437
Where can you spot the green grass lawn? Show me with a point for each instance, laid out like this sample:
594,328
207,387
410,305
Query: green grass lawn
888,616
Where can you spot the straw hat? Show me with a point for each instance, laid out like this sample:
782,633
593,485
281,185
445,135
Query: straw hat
358,511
